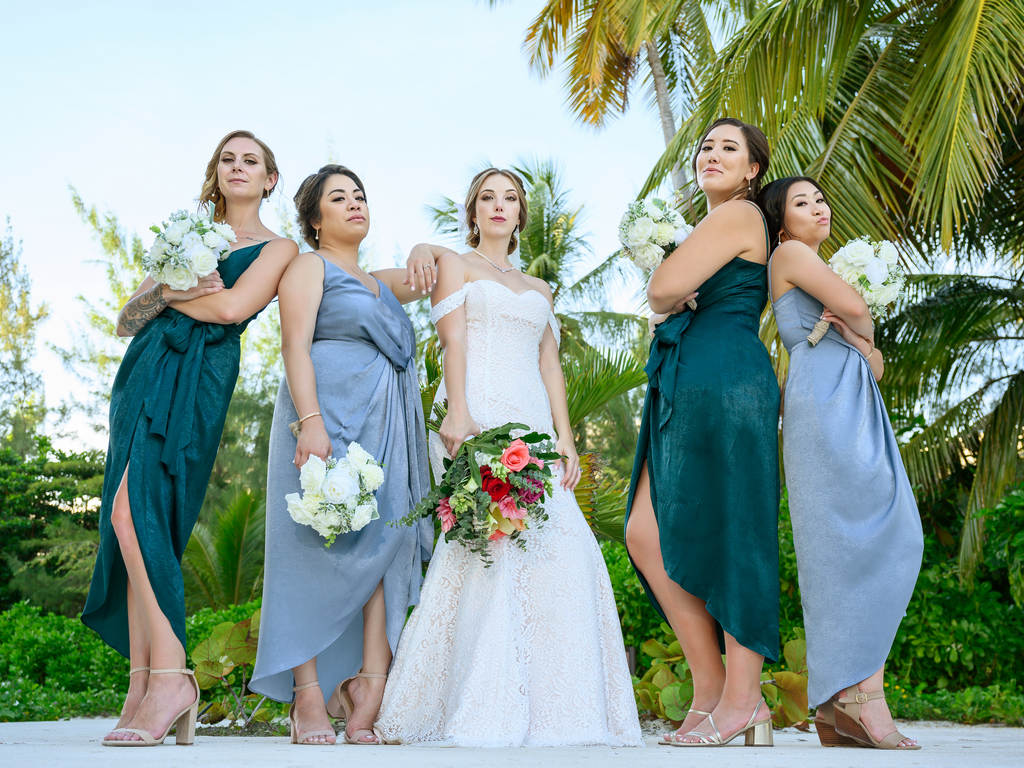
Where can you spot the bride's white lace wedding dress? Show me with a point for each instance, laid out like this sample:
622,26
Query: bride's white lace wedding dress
529,651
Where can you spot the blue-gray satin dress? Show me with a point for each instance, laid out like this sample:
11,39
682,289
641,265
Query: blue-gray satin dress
363,353
856,527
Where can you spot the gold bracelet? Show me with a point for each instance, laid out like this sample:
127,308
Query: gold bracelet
309,416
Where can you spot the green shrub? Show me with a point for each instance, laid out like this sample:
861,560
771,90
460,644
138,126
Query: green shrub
997,703
956,636
53,666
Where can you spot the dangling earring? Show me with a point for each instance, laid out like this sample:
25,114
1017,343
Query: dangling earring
317,235
476,230
748,187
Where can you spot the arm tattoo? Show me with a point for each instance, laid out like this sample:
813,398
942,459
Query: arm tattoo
140,310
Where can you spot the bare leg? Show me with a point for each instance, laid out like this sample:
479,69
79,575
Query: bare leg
139,654
875,714
310,711
741,694
367,692
686,613
166,695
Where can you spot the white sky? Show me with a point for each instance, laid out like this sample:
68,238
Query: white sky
126,101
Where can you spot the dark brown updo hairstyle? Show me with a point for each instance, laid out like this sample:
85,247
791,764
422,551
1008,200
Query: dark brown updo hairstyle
473,238
758,152
211,193
307,199
772,201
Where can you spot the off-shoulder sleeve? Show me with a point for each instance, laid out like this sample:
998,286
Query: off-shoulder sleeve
448,304
553,325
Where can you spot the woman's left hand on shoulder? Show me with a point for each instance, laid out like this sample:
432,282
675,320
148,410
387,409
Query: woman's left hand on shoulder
570,463
421,268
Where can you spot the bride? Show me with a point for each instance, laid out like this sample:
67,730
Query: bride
527,652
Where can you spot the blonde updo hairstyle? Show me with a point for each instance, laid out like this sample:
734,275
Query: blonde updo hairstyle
211,193
473,238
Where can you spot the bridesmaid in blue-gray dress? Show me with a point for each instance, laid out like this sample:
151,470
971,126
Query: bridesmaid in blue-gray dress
331,617
856,526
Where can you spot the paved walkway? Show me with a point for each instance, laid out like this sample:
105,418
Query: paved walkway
76,743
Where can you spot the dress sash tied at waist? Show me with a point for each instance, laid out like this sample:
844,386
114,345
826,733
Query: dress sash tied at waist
664,360
171,401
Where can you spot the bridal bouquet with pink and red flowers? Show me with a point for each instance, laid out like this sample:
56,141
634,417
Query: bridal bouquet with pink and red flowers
493,489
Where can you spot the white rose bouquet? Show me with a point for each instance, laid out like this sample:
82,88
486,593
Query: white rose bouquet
649,231
337,494
187,247
872,269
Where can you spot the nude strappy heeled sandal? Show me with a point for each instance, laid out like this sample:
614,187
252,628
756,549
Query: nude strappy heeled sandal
184,723
669,739
302,737
825,727
848,722
341,705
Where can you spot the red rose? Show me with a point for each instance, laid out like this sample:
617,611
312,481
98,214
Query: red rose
494,487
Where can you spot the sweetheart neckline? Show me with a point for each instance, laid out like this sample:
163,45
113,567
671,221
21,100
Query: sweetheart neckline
514,293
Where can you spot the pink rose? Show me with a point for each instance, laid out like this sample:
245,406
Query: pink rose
538,462
516,456
509,510
445,515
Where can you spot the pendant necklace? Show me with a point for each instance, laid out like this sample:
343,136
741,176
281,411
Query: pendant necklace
503,270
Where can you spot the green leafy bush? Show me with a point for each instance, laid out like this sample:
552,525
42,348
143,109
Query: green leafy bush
997,703
53,666
956,636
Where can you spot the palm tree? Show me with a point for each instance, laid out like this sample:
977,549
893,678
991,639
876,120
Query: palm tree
223,562
911,113
610,46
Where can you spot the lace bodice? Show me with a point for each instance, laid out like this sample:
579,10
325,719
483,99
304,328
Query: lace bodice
504,330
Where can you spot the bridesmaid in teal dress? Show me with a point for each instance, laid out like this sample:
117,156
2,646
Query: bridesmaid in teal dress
167,411
856,527
702,525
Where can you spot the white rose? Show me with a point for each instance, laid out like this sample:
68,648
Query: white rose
639,233
357,455
648,256
876,271
215,241
225,231
665,233
311,476
340,485
682,232
372,476
297,509
858,253
888,253
156,253
204,261
177,278
176,230
363,515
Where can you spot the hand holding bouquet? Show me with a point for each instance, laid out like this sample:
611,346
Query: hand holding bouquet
494,488
649,231
337,494
186,248
873,271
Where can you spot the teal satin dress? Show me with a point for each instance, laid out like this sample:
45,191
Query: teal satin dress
709,436
167,411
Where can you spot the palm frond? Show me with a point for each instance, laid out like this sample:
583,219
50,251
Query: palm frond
970,75
602,500
595,377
